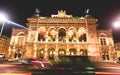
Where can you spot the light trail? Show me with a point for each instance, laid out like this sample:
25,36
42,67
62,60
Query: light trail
16,24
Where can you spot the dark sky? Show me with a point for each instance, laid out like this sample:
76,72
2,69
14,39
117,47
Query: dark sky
104,10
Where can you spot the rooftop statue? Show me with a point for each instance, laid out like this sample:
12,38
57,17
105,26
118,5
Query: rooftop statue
87,11
36,11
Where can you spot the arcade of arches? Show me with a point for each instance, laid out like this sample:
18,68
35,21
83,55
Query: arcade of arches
61,52
53,34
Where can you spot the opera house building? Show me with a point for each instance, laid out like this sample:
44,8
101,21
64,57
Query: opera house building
62,34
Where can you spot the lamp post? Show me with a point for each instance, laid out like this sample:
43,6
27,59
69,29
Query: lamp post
2,19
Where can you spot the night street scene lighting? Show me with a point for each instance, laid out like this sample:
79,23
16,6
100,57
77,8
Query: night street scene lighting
75,37
3,18
116,23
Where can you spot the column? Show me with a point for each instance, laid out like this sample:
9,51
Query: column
78,50
45,52
67,51
56,52
35,50
57,36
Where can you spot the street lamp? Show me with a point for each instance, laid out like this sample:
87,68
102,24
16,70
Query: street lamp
2,19
116,22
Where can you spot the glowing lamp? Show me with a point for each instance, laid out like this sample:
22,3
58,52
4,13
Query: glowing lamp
2,19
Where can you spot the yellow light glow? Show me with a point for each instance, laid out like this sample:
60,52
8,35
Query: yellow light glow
15,74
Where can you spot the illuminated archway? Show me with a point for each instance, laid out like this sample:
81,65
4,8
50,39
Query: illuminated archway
83,52
71,34
18,54
52,34
72,51
105,54
41,33
51,53
40,53
82,34
61,52
19,47
62,34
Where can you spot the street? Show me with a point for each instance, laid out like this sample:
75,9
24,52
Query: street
101,69
107,68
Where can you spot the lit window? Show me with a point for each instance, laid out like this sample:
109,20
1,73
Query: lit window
102,41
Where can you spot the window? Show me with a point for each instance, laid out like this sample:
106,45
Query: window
83,52
82,35
102,41
105,56
41,34
20,41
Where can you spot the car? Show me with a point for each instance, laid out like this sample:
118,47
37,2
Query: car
35,63
68,65
72,65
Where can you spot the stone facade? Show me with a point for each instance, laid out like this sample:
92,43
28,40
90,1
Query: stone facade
62,34
117,48
4,45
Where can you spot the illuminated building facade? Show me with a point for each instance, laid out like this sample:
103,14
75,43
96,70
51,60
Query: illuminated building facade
4,45
62,34
117,48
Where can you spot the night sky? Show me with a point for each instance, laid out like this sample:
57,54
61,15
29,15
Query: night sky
104,10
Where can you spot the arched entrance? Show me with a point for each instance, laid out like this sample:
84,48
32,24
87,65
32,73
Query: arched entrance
17,53
72,51
83,52
51,53
105,55
61,52
40,53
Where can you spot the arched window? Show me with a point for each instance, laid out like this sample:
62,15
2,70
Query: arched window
51,53
21,38
41,33
71,34
62,34
82,34
102,41
102,38
52,34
